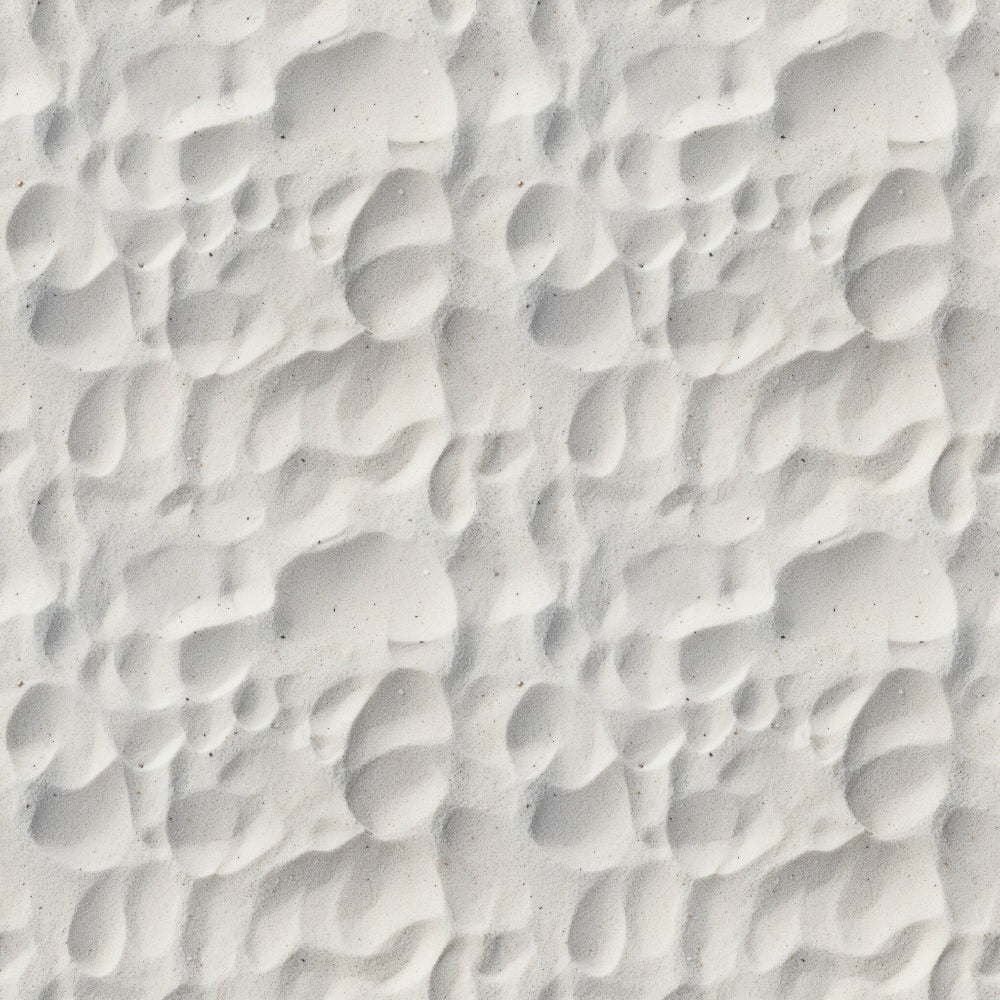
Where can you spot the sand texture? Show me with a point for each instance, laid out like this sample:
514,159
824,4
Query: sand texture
501,499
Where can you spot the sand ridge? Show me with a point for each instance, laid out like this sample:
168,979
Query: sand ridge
500,500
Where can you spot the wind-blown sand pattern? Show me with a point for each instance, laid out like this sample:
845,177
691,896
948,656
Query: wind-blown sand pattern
501,500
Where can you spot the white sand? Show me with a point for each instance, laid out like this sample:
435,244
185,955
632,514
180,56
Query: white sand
501,499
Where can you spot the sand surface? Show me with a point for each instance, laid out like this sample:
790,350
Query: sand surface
501,499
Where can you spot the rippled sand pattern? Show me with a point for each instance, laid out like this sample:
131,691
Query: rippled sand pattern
501,500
